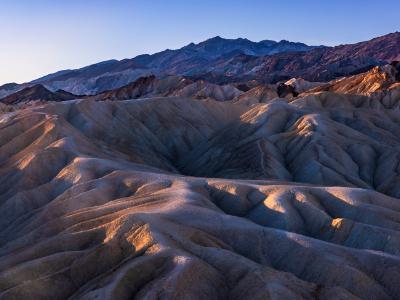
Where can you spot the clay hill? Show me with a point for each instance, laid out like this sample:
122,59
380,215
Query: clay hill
178,197
150,86
181,187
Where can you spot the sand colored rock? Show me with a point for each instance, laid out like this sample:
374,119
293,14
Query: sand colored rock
99,199
378,79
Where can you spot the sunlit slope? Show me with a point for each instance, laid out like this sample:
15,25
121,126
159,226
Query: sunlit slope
291,200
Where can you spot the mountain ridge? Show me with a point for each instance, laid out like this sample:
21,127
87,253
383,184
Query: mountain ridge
37,92
222,61
113,73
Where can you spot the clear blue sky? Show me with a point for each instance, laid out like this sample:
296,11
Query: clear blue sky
42,36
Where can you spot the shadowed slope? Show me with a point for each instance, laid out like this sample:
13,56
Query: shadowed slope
147,87
310,140
93,203
37,93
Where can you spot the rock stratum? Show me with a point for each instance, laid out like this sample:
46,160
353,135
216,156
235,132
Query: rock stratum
181,198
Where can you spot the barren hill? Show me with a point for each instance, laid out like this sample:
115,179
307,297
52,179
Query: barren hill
150,86
226,169
37,93
98,199
378,79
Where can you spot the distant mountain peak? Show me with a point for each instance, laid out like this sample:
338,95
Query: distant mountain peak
216,38
35,93
8,86
221,60
218,47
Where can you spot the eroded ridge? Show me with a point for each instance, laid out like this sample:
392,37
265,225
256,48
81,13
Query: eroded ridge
96,200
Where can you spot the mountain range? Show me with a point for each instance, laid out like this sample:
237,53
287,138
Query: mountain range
219,60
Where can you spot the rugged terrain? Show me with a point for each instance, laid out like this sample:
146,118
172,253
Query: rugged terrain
378,79
223,61
177,187
99,199
150,86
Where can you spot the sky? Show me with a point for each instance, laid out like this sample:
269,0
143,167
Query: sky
39,37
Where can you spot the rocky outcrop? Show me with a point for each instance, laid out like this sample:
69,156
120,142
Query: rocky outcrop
264,93
378,79
300,85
